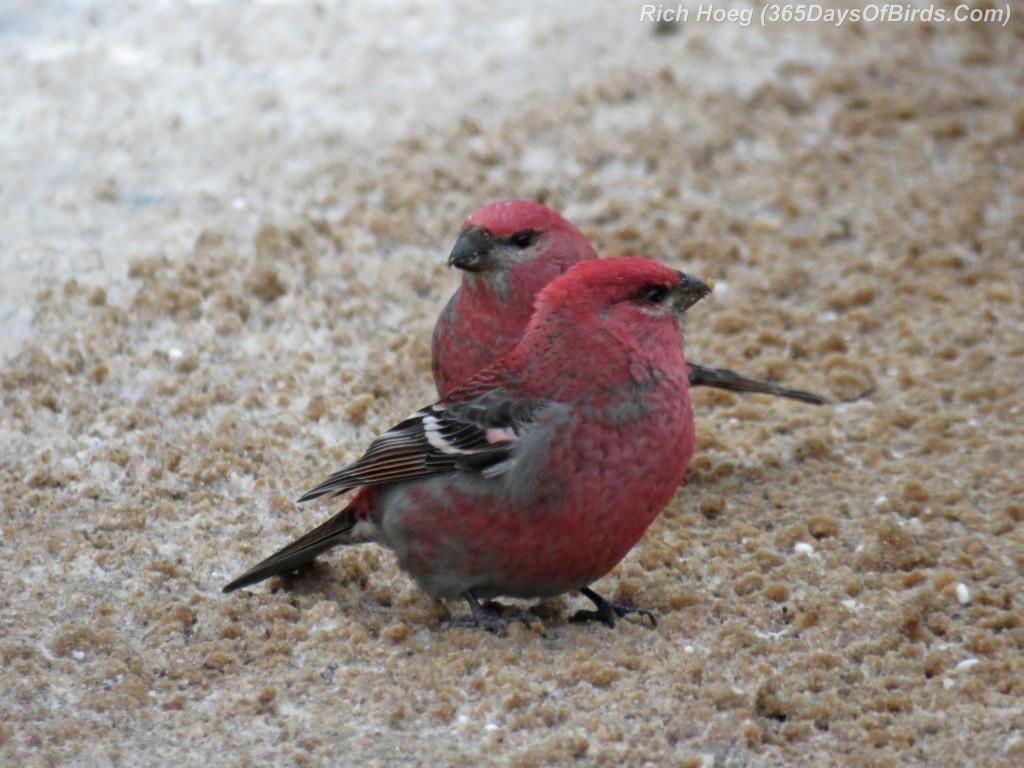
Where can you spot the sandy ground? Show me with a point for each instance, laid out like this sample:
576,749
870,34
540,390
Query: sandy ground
223,230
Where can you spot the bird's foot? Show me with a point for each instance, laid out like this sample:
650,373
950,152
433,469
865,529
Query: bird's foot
607,612
495,623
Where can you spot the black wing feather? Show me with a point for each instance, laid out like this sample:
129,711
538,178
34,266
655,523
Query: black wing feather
466,435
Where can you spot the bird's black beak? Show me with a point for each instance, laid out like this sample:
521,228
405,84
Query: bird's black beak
689,291
473,250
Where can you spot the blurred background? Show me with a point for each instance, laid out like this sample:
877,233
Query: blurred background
223,233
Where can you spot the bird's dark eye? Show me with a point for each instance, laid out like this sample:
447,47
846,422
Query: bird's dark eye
524,238
654,294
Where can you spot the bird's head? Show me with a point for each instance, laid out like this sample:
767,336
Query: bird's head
500,237
627,293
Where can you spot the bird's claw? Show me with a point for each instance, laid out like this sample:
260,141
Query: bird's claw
607,612
495,623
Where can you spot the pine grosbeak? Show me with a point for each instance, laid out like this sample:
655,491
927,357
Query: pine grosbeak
537,475
507,252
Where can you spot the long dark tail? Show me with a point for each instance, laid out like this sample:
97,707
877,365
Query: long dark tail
720,378
337,530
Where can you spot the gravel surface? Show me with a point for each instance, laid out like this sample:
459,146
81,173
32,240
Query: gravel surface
223,231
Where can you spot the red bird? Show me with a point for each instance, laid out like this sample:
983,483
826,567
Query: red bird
537,475
508,251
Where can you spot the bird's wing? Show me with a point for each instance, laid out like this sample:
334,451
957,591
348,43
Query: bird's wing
465,435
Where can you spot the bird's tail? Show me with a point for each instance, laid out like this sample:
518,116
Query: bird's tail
721,378
336,531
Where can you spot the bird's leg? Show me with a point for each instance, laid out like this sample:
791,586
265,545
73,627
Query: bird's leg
492,622
607,613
